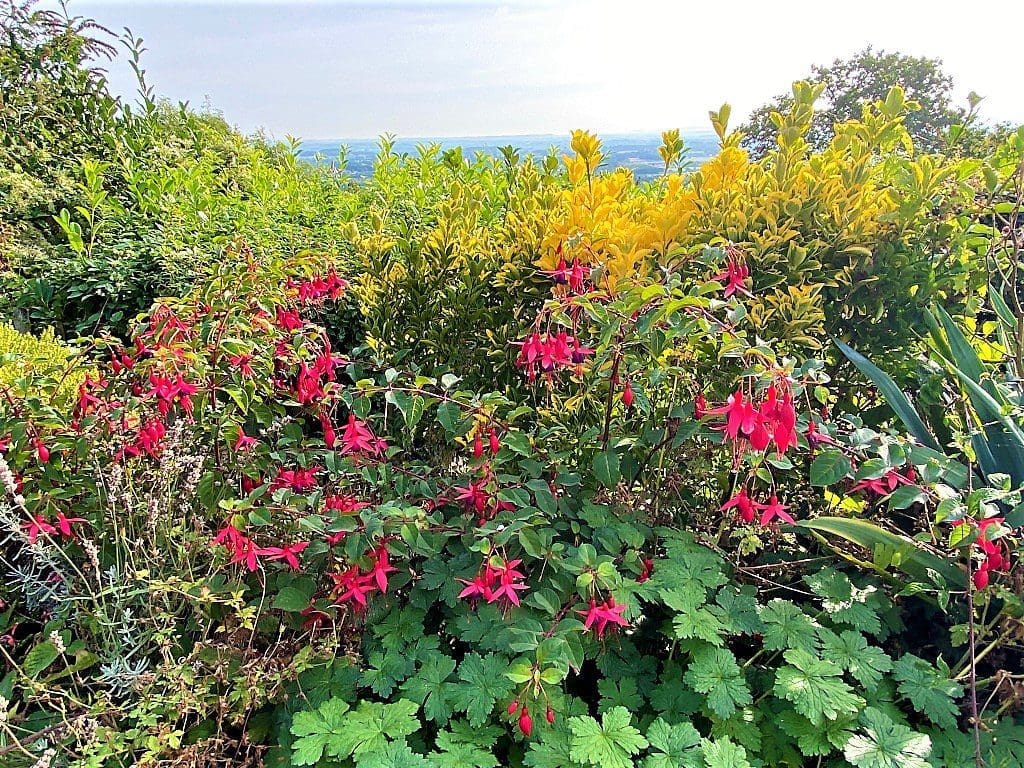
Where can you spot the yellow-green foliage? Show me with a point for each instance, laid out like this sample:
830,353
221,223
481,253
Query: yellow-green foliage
50,365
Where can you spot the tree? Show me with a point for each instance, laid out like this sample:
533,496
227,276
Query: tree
864,78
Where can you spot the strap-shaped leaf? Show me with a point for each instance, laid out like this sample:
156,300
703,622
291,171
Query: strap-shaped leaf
914,561
893,395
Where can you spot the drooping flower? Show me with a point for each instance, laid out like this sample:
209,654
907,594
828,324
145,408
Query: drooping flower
37,526
599,616
774,509
357,437
287,552
735,276
64,524
743,505
244,441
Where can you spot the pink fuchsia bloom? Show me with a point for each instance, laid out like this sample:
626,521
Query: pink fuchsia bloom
288,319
296,480
743,505
64,524
357,437
242,364
599,616
774,509
741,416
289,553
36,527
345,504
735,276
244,441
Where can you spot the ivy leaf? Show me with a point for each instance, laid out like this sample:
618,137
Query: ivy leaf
609,744
723,753
430,688
714,672
678,746
851,651
394,755
885,744
786,626
816,688
483,683
928,689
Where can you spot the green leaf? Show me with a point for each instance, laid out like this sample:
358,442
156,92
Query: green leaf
723,753
816,688
885,744
483,683
786,626
610,744
457,755
845,603
429,687
552,750
817,740
373,724
318,730
930,691
39,658
714,672
606,468
394,755
678,746
851,651
829,467
893,396
294,597
914,560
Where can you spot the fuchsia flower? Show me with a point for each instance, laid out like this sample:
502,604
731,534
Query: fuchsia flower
288,319
735,276
549,352
244,441
241,362
289,553
771,421
297,480
774,509
501,582
359,438
743,504
997,558
344,504
599,616
36,527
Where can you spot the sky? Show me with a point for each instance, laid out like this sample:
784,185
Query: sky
319,69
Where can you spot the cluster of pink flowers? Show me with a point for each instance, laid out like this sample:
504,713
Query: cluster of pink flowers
39,525
244,550
773,420
747,508
549,352
169,391
319,288
887,483
354,585
575,276
735,274
496,583
297,480
601,616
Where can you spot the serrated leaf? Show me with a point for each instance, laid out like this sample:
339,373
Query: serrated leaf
885,744
610,744
851,651
678,746
714,672
723,753
786,626
429,687
393,755
930,691
815,687
483,683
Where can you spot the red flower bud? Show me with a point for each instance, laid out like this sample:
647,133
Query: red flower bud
42,451
627,395
525,722
981,578
495,442
513,707
478,446
550,715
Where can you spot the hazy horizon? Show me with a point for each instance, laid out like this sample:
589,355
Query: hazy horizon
327,69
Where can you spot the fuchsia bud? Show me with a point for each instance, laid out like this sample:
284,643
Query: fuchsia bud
981,578
478,446
550,716
525,722
513,707
627,395
42,451
495,442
